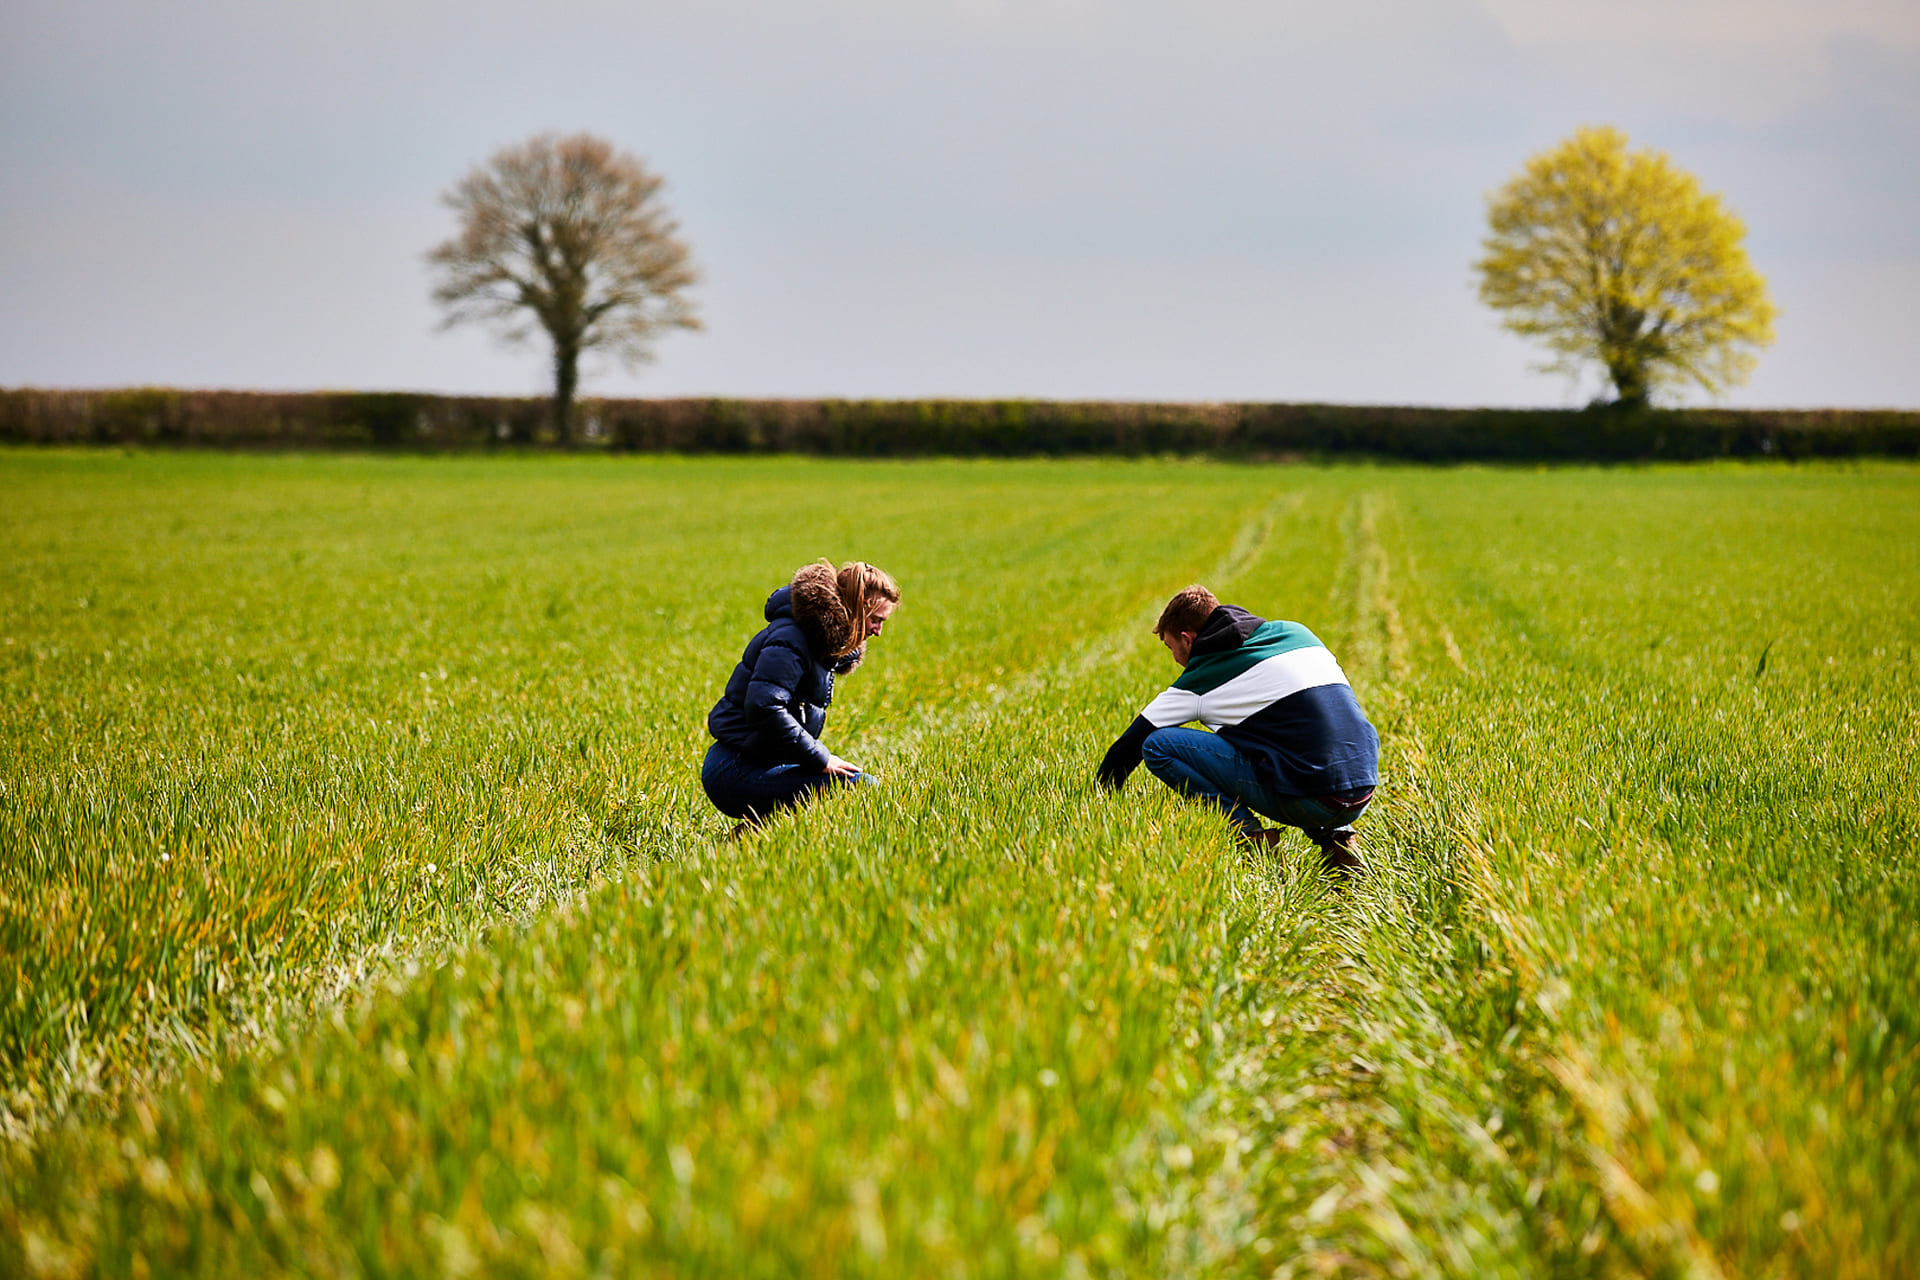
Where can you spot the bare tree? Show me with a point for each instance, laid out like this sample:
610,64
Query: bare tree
568,234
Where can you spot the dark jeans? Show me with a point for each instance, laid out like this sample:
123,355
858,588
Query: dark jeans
742,789
1208,767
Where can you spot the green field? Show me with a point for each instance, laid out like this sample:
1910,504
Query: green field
360,912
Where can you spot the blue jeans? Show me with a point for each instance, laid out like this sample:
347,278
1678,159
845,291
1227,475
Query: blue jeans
742,789
1208,767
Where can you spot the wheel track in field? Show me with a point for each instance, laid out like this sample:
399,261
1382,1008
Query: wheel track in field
1424,834
1404,838
1221,1197
1344,1210
1363,590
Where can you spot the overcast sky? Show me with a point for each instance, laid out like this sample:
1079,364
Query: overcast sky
1112,199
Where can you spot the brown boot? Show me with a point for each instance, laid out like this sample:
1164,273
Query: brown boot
1337,852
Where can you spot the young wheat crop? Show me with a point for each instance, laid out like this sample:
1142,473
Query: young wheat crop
361,912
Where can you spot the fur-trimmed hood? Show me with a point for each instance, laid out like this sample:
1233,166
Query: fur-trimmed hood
812,599
775,704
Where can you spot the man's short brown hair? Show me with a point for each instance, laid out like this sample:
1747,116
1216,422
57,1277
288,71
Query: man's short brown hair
1187,611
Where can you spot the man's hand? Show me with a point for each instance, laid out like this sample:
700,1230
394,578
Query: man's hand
840,768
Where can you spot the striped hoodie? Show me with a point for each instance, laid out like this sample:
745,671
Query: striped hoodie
1275,692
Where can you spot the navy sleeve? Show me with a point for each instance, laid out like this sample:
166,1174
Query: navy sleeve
1124,755
777,672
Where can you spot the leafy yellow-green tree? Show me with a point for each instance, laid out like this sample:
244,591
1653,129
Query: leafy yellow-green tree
568,234
1622,259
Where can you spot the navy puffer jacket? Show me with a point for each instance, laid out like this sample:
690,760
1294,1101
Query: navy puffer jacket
775,705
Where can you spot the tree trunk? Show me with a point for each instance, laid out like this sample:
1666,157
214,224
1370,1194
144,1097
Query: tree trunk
1630,386
566,376
1626,346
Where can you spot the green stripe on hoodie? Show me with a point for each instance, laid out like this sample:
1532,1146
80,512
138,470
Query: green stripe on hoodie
1208,671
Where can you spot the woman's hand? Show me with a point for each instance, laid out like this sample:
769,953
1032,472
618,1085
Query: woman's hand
840,768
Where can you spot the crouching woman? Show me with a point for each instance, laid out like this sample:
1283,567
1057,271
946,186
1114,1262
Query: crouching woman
766,753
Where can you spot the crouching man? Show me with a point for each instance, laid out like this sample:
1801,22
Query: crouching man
1290,743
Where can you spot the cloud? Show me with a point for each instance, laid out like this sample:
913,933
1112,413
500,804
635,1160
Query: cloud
1736,24
1746,61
